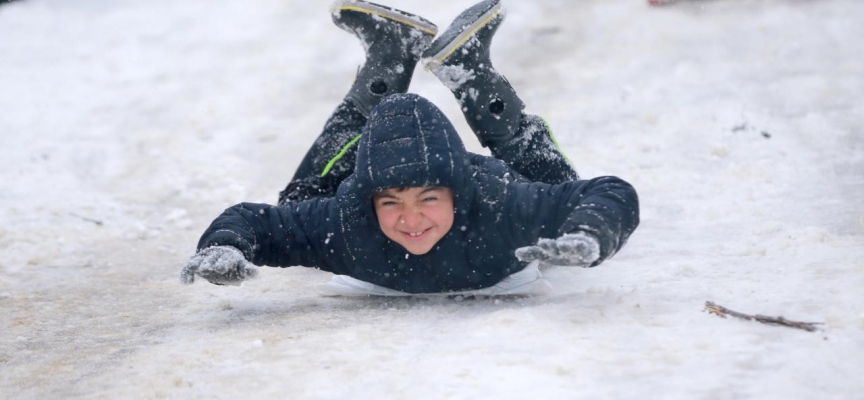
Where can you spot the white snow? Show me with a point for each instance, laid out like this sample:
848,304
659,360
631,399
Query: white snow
454,76
739,123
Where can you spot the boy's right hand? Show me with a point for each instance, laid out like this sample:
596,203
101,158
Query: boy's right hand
220,265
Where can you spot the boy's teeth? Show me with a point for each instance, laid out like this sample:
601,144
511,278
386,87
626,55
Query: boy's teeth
416,234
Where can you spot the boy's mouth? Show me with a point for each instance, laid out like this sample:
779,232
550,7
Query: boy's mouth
416,235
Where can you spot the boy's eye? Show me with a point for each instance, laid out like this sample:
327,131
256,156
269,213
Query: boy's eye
386,203
429,199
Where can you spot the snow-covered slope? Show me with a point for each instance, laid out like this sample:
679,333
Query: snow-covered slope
126,126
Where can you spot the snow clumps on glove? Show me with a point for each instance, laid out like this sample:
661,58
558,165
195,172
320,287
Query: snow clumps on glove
573,249
220,265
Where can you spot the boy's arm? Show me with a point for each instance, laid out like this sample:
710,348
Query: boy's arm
573,219
279,236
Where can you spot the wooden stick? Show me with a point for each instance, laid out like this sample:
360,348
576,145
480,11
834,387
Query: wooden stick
95,221
723,312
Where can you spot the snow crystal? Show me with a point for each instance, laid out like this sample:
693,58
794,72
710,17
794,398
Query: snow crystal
473,93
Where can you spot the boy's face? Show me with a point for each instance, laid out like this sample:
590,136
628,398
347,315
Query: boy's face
415,217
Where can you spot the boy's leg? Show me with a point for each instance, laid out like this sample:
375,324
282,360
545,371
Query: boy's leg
394,41
330,159
534,153
460,59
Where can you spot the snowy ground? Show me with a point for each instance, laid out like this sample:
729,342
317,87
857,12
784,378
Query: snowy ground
127,126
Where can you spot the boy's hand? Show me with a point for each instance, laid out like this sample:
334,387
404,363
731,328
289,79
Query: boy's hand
221,265
576,249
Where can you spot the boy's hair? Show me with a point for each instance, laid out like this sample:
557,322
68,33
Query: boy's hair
401,189
397,189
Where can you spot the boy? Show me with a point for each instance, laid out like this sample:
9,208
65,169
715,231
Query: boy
403,206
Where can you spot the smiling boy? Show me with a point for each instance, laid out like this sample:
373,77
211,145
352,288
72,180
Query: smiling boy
388,194
415,218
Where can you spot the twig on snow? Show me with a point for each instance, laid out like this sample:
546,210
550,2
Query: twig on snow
739,128
723,312
95,221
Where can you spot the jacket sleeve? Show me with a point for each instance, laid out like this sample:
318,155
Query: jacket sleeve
606,208
279,236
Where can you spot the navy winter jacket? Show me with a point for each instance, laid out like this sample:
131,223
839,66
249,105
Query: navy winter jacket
408,142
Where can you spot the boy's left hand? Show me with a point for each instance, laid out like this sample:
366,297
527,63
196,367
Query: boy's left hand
573,249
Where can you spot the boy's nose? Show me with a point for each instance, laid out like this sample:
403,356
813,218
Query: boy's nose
412,218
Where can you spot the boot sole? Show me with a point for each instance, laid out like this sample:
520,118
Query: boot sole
392,14
439,57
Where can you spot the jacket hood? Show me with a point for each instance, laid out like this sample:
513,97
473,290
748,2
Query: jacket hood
408,142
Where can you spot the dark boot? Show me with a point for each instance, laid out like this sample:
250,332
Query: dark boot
460,59
394,41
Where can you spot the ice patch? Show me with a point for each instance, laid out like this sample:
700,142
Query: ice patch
179,218
527,282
